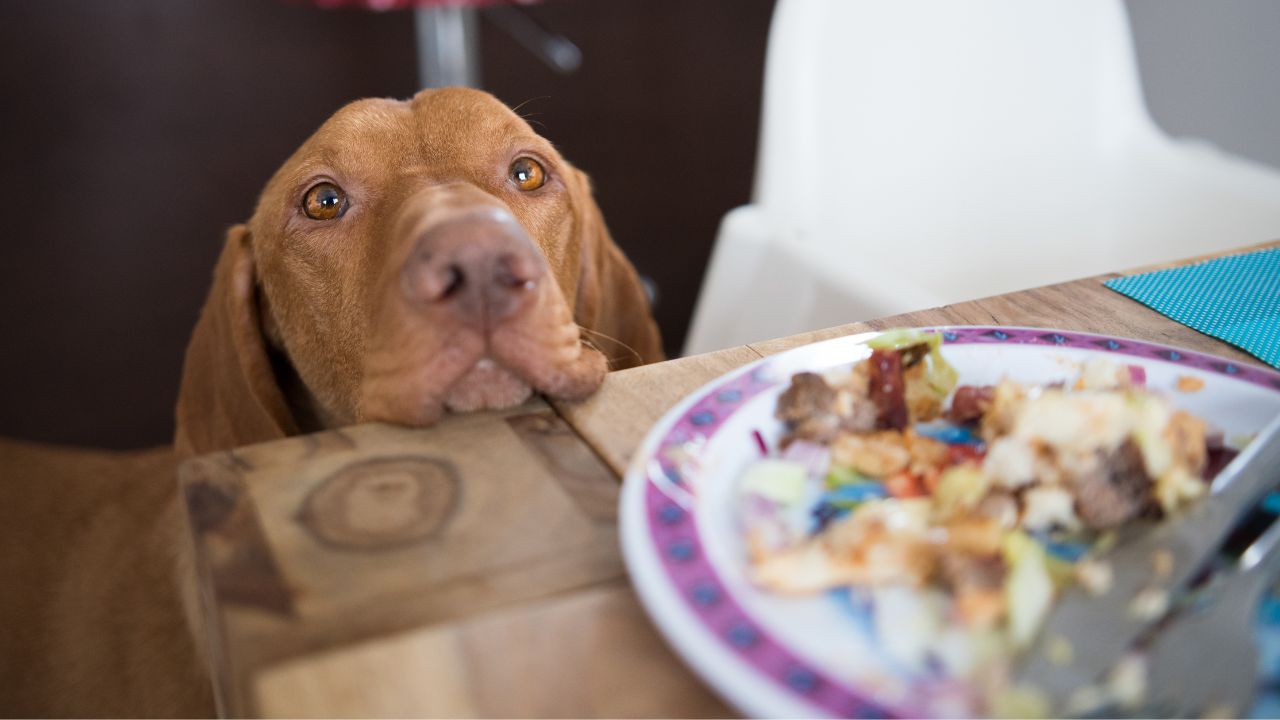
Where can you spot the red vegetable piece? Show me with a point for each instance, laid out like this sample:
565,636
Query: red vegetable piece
904,485
959,454
1138,375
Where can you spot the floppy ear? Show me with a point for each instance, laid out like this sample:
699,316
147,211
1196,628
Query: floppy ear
611,302
229,395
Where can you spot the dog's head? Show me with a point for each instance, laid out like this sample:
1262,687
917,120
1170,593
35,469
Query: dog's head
409,259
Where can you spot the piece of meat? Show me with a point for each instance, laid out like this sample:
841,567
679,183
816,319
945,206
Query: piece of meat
807,407
964,571
857,413
977,583
1114,489
1185,433
808,395
876,454
926,453
970,403
886,390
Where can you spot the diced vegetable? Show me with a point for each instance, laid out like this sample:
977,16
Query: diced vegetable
899,338
840,475
852,494
960,488
811,455
1028,587
779,480
964,650
1020,702
905,485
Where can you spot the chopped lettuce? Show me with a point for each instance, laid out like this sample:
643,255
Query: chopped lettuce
841,475
899,338
1028,587
782,481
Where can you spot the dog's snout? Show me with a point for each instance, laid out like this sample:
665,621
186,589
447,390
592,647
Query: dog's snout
483,268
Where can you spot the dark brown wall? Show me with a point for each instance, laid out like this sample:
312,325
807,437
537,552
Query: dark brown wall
133,133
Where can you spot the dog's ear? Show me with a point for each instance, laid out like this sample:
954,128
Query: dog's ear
611,303
229,396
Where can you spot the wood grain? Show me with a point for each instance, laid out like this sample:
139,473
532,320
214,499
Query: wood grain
571,462
616,418
587,654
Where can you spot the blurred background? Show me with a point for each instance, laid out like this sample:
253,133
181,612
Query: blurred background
135,133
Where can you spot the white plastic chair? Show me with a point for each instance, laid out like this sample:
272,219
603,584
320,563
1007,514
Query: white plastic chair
916,153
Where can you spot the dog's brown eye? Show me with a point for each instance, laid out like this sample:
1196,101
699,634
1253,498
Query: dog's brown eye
527,174
325,201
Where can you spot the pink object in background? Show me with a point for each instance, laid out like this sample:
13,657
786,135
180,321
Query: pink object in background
447,39
405,4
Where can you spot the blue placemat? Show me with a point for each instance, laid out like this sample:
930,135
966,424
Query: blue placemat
1235,298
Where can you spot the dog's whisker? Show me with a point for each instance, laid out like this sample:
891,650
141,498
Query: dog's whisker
516,109
590,345
630,351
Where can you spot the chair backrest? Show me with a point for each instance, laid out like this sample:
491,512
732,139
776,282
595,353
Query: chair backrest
916,153
874,99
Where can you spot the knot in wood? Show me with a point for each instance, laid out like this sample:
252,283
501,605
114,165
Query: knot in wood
382,503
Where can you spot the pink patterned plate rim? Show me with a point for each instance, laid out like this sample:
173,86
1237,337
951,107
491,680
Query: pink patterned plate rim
664,531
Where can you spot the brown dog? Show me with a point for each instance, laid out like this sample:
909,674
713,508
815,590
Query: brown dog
411,258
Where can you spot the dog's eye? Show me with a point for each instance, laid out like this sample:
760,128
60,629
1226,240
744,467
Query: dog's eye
527,174
325,201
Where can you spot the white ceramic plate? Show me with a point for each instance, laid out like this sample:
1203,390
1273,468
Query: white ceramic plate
772,656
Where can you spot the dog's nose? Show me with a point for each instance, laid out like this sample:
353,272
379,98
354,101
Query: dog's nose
483,267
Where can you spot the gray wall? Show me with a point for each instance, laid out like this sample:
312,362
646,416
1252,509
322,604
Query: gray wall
1211,70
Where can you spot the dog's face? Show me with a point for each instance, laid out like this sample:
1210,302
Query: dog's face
431,255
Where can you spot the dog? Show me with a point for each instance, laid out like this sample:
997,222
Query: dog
411,259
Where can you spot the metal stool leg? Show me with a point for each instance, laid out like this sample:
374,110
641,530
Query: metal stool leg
447,46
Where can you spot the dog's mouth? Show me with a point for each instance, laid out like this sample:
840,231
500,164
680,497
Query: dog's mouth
488,385
416,388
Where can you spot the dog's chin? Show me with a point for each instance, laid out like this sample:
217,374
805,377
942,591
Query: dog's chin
486,386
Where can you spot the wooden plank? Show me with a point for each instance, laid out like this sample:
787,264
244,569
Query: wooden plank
571,462
588,654
232,562
616,418
326,540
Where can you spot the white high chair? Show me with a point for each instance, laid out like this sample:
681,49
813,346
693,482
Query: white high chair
916,153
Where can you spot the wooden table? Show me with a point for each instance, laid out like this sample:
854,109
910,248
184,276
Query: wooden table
473,568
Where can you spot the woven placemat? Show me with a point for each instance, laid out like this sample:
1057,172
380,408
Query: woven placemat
1234,298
